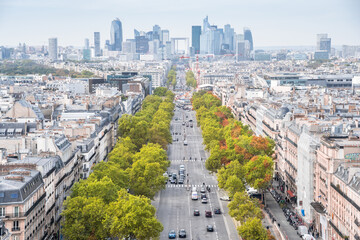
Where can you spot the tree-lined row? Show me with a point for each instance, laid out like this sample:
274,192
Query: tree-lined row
171,77
240,159
190,79
114,202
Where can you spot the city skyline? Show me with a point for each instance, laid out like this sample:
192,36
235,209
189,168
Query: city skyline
283,27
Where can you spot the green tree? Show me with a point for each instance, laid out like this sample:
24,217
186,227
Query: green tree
132,217
234,185
160,91
146,178
104,189
232,169
83,218
159,133
259,171
123,152
213,163
242,207
252,229
111,170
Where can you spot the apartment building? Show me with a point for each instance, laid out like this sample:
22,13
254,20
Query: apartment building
22,202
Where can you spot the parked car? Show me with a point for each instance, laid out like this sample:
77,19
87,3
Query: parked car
225,198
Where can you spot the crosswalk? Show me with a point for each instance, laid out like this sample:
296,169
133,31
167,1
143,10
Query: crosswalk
187,160
190,186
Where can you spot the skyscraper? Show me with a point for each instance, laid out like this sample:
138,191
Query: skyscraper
323,43
229,36
53,48
156,32
165,36
116,35
86,43
195,39
97,50
248,36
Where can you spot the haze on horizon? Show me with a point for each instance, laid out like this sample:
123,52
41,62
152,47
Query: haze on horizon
273,23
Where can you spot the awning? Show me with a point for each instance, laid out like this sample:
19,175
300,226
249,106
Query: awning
318,207
290,194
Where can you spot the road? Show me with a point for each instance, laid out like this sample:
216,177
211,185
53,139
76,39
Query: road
174,205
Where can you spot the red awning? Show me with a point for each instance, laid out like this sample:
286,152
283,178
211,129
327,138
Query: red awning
290,194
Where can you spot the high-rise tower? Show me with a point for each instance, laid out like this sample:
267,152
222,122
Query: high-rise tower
248,36
97,50
195,39
53,48
116,35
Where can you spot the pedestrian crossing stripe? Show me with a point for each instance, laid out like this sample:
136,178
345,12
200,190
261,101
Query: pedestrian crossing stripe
192,160
190,186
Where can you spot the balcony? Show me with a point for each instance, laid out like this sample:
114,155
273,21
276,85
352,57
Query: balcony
290,141
357,223
15,229
345,196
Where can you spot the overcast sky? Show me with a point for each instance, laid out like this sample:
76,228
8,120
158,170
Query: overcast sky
272,22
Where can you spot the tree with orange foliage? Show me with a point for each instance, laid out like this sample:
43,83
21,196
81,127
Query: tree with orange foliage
259,171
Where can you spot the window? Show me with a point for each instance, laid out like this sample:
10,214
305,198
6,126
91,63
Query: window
14,195
16,226
2,212
16,211
15,238
2,194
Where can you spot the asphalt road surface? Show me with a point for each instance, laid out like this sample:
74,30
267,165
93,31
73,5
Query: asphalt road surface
174,204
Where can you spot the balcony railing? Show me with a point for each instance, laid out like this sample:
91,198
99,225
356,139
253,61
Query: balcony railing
290,141
15,229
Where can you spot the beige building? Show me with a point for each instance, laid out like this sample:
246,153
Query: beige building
22,202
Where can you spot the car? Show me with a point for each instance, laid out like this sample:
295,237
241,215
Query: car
194,196
173,181
181,181
182,167
217,211
225,198
174,175
181,172
204,200
196,212
203,195
182,233
202,190
209,228
172,234
208,213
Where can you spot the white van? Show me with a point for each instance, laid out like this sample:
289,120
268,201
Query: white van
194,196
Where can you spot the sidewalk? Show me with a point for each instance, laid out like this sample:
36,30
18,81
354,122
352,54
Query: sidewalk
288,231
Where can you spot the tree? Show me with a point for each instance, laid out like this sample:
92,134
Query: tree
83,218
104,189
111,170
232,169
132,217
123,152
234,185
259,171
252,229
159,133
146,178
213,163
242,207
160,91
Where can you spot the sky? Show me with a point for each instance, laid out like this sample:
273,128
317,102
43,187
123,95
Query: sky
272,22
